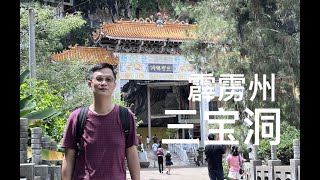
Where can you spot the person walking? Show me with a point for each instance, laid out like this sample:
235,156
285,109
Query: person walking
155,139
104,148
169,163
234,160
154,152
160,159
147,142
214,155
160,144
140,141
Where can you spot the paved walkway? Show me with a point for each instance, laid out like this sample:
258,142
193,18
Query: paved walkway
179,170
177,173
175,159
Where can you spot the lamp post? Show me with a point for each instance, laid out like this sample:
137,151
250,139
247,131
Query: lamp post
32,51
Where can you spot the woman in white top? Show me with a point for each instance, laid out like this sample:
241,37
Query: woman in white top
148,142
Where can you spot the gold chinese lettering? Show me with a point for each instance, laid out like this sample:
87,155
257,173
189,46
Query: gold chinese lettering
158,68
163,68
153,67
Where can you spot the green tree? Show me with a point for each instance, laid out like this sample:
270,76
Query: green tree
50,31
69,77
171,133
250,37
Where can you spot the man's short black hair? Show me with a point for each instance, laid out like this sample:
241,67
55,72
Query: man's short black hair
98,67
211,136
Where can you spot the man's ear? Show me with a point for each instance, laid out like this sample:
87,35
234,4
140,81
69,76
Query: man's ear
89,83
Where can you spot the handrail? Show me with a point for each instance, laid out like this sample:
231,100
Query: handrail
180,152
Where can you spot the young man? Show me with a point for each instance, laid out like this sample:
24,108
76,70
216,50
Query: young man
103,143
214,158
155,139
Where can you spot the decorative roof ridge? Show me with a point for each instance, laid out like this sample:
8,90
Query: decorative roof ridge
149,21
92,54
143,28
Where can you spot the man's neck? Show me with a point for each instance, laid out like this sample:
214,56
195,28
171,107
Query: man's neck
102,106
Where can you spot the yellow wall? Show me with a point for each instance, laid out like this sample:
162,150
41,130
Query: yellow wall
159,131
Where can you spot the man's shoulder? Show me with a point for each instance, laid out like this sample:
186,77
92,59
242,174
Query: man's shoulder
74,113
119,106
222,146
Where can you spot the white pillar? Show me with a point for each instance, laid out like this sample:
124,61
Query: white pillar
149,112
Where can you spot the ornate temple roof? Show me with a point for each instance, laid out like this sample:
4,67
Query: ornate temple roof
141,29
90,54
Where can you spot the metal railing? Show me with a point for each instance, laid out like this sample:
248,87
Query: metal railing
182,151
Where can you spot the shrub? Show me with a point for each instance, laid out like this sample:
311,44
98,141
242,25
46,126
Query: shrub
46,97
225,169
284,148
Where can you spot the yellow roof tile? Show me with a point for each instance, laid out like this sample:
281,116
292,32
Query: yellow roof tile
90,54
148,30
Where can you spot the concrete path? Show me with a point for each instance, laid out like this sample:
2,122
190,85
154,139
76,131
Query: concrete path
175,159
177,173
179,170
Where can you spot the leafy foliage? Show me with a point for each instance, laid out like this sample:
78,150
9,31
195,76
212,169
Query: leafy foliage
28,105
46,102
50,31
251,37
171,133
225,169
69,77
66,89
285,148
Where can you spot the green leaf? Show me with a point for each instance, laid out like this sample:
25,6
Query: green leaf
42,114
24,76
25,101
28,109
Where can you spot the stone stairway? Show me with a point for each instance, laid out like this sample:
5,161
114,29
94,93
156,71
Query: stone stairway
191,158
175,159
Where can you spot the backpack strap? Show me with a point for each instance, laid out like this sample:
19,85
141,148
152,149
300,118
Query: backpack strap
125,121
82,117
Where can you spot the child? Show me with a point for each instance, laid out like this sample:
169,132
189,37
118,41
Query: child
168,162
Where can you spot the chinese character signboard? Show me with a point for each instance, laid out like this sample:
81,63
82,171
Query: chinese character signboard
153,67
160,68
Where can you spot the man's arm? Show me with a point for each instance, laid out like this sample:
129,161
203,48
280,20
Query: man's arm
206,150
68,164
133,162
223,149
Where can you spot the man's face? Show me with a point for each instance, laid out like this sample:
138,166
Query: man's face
102,82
